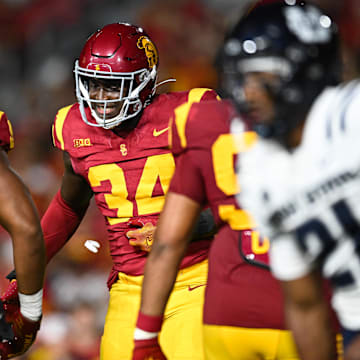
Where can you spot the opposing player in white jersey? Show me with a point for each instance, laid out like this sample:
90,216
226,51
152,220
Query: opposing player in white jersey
301,181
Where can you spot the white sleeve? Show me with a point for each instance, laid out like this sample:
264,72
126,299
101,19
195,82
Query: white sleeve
287,262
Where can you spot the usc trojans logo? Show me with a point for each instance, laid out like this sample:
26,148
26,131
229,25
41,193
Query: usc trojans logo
150,50
123,149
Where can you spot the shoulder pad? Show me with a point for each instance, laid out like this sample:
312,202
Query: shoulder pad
58,126
198,126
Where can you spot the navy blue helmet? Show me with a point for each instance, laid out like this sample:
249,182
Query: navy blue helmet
294,40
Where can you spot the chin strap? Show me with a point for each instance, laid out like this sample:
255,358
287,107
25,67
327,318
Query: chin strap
164,82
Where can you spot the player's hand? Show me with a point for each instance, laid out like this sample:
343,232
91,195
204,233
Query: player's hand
24,331
6,332
10,299
143,234
148,350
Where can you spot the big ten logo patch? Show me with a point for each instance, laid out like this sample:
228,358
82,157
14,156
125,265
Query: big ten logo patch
123,149
82,142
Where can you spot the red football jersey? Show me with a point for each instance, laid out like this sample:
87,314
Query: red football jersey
238,293
128,173
6,133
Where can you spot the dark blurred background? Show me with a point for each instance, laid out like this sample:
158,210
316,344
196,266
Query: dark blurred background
39,42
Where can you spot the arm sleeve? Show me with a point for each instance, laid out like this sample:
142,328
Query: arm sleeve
59,223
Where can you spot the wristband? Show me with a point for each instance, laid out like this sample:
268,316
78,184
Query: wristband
149,323
31,305
147,326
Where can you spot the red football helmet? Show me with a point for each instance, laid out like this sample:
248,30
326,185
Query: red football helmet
120,52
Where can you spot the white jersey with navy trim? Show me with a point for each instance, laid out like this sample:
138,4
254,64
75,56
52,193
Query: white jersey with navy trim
308,201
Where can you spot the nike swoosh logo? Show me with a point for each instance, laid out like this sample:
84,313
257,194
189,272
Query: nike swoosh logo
191,288
159,132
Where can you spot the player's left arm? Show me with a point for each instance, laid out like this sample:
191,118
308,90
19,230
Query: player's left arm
308,317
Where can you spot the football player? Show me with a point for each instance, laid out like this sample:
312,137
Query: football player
20,319
243,310
115,144
299,181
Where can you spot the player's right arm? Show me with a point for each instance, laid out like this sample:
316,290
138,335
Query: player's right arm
66,210
172,234
19,217
60,221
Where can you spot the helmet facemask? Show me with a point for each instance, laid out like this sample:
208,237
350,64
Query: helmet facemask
130,85
235,75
